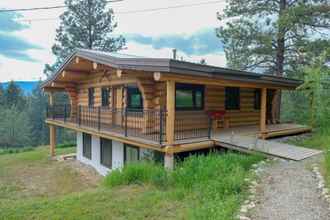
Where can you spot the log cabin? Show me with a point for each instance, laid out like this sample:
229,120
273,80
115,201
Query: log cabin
123,108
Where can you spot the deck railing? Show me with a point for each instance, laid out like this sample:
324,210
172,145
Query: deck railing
192,124
145,124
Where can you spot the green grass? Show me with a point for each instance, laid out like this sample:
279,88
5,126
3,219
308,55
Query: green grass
204,187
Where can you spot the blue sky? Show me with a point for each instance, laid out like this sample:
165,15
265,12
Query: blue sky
25,45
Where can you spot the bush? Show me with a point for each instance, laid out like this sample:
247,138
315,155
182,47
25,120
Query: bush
212,185
137,173
15,150
66,145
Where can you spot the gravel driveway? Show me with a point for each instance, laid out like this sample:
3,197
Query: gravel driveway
288,191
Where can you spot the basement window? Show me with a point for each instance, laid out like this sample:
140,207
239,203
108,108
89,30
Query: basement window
189,97
131,154
87,146
106,153
232,98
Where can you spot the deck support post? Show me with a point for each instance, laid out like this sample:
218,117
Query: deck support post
52,130
170,105
52,140
169,161
263,112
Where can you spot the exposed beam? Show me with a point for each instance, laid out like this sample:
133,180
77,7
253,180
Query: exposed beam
94,65
62,84
157,76
119,73
218,81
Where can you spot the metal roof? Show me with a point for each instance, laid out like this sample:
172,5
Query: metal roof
129,62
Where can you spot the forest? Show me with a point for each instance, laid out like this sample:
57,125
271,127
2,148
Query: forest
22,118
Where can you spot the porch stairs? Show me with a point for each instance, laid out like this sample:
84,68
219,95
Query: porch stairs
250,144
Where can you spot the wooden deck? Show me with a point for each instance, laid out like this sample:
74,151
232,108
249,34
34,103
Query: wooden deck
246,139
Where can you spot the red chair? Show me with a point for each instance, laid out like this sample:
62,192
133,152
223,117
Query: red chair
219,115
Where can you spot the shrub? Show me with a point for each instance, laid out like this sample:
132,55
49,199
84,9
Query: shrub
15,150
137,173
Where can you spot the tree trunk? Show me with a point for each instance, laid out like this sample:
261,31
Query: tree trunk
280,50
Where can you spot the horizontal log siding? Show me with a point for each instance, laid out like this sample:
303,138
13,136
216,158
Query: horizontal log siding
247,115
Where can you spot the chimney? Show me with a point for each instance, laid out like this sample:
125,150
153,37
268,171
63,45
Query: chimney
174,54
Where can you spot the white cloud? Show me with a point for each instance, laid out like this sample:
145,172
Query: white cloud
173,21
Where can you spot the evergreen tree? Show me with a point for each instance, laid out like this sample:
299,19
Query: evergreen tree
14,128
37,116
13,96
270,36
2,96
85,24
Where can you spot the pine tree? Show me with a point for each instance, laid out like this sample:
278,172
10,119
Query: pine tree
269,36
37,113
2,95
13,96
86,24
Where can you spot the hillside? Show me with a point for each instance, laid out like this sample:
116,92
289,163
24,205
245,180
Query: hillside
27,86
207,187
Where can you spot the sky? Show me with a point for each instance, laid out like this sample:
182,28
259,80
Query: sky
26,38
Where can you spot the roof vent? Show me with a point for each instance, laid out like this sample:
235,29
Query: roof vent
174,54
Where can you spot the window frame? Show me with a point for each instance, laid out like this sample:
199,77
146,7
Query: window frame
257,99
125,152
103,142
235,91
131,90
85,153
91,97
105,96
194,89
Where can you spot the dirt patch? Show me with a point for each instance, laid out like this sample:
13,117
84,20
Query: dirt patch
45,179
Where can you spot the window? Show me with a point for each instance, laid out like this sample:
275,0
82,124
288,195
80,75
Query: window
257,99
131,154
134,98
87,146
91,97
106,152
189,97
232,99
105,97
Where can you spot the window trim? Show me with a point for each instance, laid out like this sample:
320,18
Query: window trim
107,90
194,88
91,97
84,153
125,151
102,140
130,90
238,104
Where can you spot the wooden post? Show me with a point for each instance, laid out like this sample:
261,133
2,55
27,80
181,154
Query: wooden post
52,130
170,106
169,161
52,140
275,106
263,111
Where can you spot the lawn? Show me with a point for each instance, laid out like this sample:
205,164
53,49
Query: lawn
204,187
320,139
